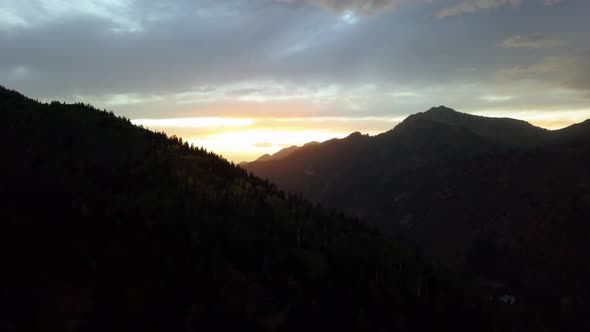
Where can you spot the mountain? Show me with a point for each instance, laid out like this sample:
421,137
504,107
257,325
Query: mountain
283,153
279,155
106,226
499,199
505,131
336,171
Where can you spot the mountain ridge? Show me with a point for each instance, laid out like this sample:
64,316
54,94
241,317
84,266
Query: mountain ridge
519,134
497,198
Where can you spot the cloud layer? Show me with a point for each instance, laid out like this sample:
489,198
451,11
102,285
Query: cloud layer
366,7
531,41
470,6
347,59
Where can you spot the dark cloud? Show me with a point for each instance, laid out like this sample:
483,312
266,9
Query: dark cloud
471,6
531,41
365,7
182,56
571,71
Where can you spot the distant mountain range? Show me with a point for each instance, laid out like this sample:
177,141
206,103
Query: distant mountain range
495,197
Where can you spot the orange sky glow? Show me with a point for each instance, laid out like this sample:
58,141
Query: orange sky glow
244,139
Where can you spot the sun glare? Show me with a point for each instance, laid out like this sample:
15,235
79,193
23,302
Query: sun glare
246,139
247,145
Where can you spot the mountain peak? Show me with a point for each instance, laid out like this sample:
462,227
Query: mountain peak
444,114
440,114
264,157
442,109
355,134
278,155
501,130
311,143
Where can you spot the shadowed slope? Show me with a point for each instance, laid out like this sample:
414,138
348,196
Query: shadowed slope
109,227
497,198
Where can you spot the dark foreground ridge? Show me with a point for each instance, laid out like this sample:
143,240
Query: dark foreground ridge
106,226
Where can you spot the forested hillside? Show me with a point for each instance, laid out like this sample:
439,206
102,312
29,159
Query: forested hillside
106,226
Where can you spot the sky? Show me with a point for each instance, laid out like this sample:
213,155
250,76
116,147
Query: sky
248,77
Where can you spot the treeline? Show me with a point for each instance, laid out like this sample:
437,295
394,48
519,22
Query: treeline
106,226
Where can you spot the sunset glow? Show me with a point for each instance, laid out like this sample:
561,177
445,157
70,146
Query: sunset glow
194,122
245,139
245,78
247,145
241,139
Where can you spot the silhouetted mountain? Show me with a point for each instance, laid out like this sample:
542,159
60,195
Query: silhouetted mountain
106,226
279,155
505,131
499,199
283,153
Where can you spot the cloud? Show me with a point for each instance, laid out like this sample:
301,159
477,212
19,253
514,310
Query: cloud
565,71
546,67
264,145
530,41
9,20
42,12
471,6
131,99
203,122
363,7
551,2
212,58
